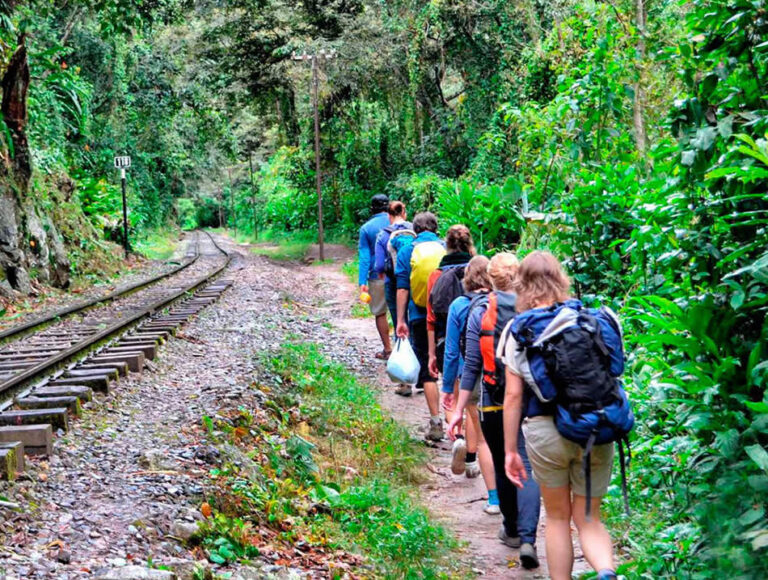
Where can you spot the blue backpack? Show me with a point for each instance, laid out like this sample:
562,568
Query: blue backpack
572,357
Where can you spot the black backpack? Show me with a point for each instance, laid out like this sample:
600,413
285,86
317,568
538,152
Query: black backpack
447,288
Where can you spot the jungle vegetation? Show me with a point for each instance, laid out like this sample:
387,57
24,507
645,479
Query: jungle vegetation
628,137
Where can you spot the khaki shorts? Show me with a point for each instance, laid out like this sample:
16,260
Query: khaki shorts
557,462
378,302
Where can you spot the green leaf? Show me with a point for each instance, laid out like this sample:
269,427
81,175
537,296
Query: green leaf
758,455
757,407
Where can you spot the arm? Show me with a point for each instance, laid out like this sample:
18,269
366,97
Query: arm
364,256
473,362
432,349
403,278
454,427
513,413
452,357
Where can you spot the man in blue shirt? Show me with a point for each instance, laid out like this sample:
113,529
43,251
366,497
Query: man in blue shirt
369,282
425,226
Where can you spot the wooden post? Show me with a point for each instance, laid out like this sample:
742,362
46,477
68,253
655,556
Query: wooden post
318,176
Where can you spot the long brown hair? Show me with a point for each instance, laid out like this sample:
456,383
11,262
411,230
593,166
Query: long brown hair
540,281
476,275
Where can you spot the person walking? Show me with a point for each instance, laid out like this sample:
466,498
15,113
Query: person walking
415,263
520,509
370,283
541,284
471,456
398,233
444,286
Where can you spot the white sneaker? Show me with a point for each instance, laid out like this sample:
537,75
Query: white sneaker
492,509
472,470
458,456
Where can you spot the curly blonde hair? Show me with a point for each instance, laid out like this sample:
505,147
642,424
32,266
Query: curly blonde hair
540,281
502,269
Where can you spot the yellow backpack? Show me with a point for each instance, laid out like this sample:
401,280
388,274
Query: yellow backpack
424,260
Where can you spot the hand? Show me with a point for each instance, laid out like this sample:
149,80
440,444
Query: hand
402,330
432,366
514,468
364,288
454,427
448,401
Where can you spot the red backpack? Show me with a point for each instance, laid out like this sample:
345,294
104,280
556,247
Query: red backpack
501,309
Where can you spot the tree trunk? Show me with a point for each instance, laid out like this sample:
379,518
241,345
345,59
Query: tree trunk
15,174
641,137
14,109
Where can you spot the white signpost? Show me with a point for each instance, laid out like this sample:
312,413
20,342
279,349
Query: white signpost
122,163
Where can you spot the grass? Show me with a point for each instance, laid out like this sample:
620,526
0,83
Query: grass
319,461
157,245
285,252
350,269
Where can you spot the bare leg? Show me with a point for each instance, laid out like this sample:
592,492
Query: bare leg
382,325
557,503
473,429
594,538
433,398
483,452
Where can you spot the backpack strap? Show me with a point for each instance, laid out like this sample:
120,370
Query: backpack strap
624,464
587,465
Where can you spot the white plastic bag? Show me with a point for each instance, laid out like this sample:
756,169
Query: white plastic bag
403,366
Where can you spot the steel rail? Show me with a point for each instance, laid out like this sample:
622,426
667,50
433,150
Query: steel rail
13,385
21,329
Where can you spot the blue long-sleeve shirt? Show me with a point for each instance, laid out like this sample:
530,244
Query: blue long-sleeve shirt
473,360
453,362
403,273
366,246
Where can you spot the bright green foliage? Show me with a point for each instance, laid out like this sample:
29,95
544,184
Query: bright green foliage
323,467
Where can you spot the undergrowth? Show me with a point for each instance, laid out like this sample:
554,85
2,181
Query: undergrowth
319,465
156,245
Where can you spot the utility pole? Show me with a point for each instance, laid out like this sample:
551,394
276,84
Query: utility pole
123,163
313,58
253,197
232,203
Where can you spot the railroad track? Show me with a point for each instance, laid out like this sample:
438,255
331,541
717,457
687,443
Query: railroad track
53,365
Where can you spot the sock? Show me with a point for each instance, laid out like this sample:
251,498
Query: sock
471,457
435,419
606,574
493,497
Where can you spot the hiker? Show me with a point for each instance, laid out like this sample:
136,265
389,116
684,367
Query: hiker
573,479
367,280
443,287
473,456
388,242
415,262
519,508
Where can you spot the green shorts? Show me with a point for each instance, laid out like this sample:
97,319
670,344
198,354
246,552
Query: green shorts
557,462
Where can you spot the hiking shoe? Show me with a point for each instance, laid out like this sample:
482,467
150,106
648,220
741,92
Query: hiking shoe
512,542
492,509
435,432
528,557
458,456
472,470
404,390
